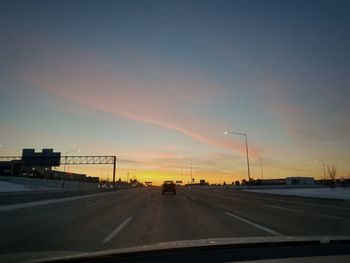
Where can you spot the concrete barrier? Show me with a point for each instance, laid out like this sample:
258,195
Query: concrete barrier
46,184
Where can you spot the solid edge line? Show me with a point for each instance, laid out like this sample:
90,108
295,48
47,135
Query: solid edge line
268,230
117,230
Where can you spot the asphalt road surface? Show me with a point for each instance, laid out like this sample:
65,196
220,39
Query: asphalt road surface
141,216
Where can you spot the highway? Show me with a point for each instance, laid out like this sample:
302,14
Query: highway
141,216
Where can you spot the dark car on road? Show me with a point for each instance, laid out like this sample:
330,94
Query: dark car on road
169,187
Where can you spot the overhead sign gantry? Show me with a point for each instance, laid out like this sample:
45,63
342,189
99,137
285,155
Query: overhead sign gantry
65,160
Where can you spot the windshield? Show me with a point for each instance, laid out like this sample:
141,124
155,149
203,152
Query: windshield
239,108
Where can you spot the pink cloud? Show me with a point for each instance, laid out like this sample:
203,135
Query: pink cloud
164,96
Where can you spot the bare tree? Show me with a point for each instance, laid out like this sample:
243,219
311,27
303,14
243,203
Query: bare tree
332,171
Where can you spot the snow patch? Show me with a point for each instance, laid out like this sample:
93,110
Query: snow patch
328,193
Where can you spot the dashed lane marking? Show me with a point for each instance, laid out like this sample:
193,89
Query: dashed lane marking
117,230
268,230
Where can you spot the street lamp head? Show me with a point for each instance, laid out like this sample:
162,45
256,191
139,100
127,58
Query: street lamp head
237,133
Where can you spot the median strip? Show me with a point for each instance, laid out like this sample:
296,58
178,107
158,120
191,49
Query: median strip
117,230
268,230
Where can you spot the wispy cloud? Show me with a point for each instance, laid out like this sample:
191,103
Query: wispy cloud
163,96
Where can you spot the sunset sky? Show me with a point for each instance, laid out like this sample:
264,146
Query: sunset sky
158,82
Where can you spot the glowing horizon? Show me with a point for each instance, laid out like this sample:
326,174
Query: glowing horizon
156,91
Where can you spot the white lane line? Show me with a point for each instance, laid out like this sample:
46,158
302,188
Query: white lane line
193,198
6,208
268,230
91,205
332,217
285,208
149,199
117,230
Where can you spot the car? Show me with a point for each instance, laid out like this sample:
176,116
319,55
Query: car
169,187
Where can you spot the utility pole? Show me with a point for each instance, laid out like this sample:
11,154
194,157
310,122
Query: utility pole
261,168
182,175
191,171
114,164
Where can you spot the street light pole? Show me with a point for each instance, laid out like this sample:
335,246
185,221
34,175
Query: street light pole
246,147
190,171
261,168
324,169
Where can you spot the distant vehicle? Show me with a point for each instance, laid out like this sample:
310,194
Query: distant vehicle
102,186
169,187
105,186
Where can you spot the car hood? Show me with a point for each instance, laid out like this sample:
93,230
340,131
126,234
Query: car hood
189,245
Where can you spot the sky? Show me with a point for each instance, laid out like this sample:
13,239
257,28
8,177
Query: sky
157,83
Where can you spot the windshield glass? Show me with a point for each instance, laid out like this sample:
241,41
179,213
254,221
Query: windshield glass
130,123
